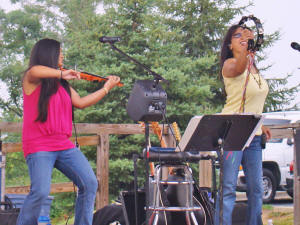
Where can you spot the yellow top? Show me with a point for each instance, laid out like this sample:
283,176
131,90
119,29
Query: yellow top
255,94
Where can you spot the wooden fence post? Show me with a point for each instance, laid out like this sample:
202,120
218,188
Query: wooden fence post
205,172
296,177
170,139
102,197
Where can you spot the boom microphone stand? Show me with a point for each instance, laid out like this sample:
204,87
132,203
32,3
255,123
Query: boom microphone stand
154,104
157,77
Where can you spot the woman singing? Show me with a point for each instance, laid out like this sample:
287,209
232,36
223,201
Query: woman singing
246,92
47,127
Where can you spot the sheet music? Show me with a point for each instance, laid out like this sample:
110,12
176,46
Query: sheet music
206,131
254,131
190,129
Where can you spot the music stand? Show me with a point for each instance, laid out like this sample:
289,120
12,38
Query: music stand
219,132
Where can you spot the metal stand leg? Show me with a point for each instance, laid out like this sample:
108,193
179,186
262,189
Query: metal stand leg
194,218
155,219
147,140
135,157
221,153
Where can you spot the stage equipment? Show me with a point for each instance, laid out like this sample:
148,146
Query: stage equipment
2,172
112,40
8,213
147,101
129,205
295,46
109,214
260,32
209,133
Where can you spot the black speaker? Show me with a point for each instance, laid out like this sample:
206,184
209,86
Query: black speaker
128,206
239,213
147,101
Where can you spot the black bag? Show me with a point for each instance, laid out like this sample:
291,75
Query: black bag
201,194
8,215
109,214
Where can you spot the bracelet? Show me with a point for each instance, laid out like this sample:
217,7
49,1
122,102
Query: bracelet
106,90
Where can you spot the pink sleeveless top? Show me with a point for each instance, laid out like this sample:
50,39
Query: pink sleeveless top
52,135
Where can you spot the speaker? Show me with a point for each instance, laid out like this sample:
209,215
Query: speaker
128,206
147,101
239,213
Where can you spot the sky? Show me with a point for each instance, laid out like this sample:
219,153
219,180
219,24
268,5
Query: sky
285,17
275,15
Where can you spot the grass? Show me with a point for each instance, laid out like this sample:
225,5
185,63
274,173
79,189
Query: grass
62,221
279,216
267,207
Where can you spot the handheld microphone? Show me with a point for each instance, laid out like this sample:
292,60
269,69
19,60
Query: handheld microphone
295,46
111,40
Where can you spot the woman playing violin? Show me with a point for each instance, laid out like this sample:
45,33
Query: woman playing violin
47,127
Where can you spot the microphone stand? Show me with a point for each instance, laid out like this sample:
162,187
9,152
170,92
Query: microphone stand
157,77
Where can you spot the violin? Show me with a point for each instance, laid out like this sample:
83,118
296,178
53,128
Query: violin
92,77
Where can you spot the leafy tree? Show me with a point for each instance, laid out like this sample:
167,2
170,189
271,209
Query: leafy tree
279,95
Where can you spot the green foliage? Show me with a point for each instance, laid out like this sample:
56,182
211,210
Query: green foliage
62,206
279,95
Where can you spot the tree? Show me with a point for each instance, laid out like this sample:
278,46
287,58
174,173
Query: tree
279,95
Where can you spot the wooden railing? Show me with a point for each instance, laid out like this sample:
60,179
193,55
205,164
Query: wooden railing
100,138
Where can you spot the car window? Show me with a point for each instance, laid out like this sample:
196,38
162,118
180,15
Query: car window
275,140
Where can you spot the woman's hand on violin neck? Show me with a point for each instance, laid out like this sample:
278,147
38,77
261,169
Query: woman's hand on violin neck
70,75
111,82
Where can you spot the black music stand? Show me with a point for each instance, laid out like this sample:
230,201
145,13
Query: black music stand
220,132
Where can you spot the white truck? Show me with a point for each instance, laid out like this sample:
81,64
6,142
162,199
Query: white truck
277,158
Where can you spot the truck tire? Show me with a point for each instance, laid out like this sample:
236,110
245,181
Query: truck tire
269,186
290,193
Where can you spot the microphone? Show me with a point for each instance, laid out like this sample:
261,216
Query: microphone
110,40
295,46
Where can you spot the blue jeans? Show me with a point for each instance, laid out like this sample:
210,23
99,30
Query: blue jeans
76,167
251,160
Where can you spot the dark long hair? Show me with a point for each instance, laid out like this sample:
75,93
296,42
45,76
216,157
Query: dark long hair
46,53
226,52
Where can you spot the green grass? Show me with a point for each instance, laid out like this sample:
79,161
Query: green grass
62,221
267,207
282,218
278,217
